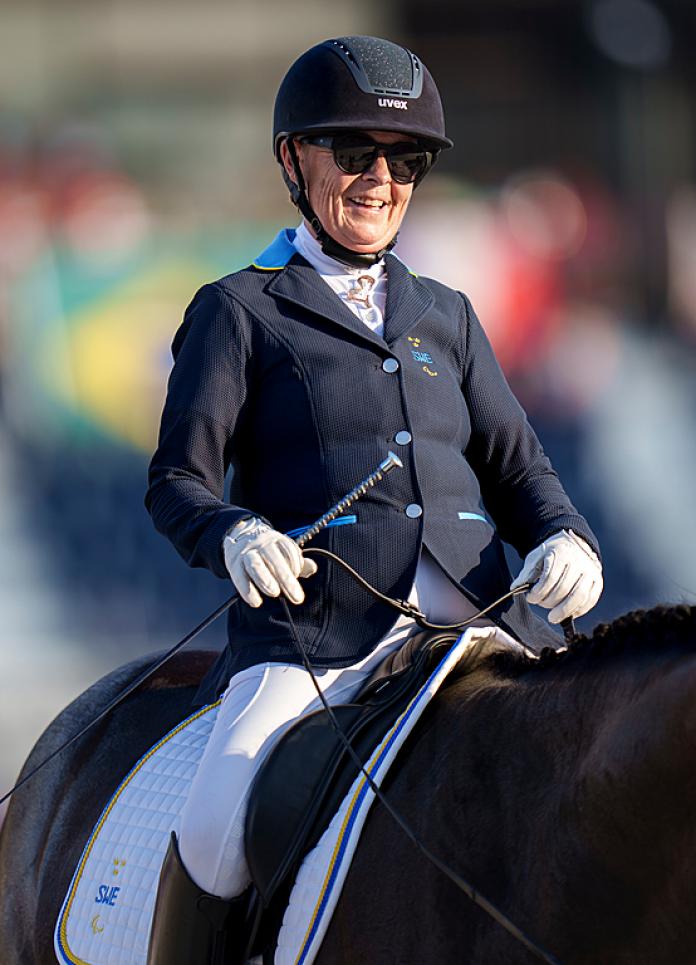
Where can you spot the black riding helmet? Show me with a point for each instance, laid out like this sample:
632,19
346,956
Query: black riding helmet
355,84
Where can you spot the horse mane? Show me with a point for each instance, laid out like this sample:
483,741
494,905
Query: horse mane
640,631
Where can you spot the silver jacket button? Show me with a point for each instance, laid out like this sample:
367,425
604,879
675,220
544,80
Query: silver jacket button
403,437
413,510
390,365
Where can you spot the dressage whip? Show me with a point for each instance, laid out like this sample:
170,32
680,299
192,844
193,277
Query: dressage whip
392,461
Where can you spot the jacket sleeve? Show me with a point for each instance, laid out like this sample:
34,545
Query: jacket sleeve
520,488
203,412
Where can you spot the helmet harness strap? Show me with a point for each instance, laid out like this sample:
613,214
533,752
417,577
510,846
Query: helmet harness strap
329,245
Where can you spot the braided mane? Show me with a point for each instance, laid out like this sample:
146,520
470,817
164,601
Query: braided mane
659,628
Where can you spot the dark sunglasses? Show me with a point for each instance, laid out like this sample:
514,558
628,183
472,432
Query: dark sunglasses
355,153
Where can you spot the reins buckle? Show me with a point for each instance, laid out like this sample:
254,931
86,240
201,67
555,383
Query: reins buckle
410,609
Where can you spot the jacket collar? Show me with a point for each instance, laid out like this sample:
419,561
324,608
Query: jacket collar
295,280
300,284
408,300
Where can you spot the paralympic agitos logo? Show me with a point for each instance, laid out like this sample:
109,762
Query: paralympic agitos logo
390,102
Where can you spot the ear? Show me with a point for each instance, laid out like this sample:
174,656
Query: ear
287,159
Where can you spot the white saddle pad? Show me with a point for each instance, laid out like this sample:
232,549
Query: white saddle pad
106,915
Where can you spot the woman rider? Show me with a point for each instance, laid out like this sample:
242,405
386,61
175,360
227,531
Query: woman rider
300,372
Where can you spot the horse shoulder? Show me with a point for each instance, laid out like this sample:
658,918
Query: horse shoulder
395,905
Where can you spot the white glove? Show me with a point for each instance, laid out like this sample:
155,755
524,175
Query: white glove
566,574
258,557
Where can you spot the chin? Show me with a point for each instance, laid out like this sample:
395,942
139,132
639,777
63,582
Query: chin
363,238
362,244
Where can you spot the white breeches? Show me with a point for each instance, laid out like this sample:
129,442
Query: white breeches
259,704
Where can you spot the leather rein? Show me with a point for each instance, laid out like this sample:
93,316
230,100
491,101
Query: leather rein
410,609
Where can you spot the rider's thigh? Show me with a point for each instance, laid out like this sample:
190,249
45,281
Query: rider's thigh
258,705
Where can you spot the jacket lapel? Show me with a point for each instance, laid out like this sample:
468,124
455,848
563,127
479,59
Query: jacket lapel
300,284
407,300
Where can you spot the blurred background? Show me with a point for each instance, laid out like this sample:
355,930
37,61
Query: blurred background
135,165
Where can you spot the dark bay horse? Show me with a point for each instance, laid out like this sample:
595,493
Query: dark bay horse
564,789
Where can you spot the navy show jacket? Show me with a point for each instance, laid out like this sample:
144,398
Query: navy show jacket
276,377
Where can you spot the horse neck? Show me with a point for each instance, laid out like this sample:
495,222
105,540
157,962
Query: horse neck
593,763
605,737
618,714
639,749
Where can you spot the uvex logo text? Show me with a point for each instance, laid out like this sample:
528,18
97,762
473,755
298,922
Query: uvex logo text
390,102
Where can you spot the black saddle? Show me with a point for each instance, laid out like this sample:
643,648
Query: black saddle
300,787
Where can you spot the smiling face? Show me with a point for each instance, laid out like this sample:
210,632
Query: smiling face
362,212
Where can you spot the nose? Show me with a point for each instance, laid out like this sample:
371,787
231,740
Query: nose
378,171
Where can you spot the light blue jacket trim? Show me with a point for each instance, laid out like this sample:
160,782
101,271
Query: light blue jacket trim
281,250
472,516
409,270
278,253
339,521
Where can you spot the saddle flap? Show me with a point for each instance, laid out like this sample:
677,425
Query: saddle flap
288,790
309,771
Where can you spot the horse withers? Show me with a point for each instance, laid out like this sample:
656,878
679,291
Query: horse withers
562,788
